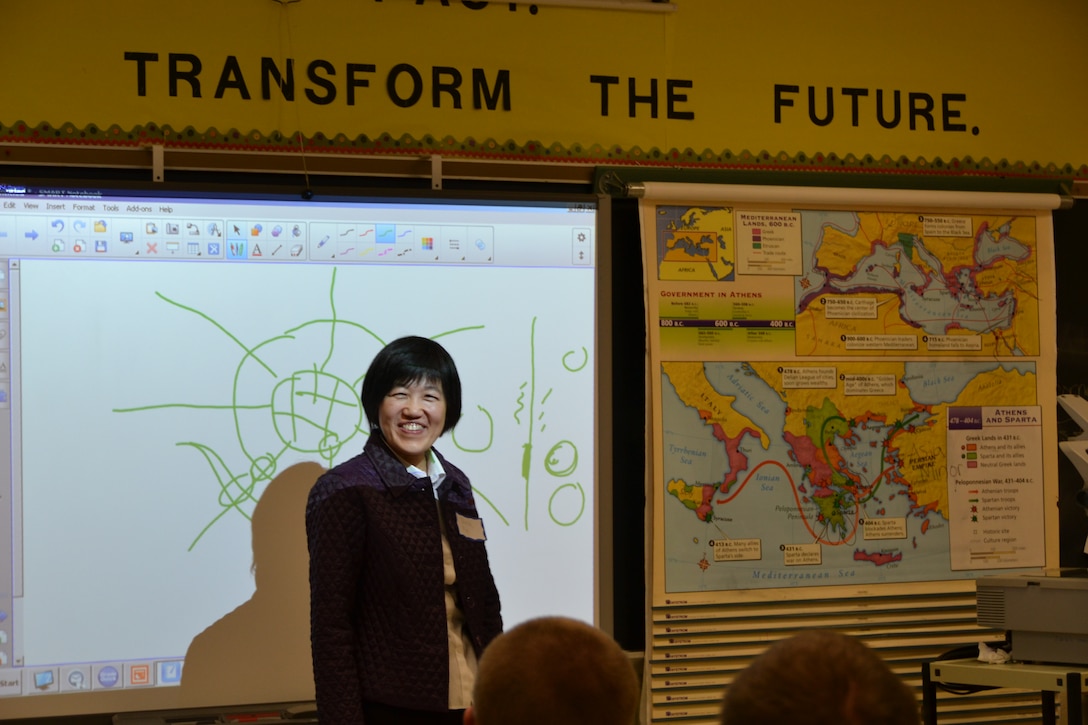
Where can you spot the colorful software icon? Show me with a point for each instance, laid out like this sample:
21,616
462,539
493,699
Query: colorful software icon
169,672
139,675
108,676
44,680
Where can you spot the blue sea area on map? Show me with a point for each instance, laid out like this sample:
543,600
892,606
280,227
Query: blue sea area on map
931,383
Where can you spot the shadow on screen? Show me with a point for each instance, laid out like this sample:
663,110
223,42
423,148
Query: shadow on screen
260,651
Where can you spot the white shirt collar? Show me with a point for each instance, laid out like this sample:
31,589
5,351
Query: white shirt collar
437,475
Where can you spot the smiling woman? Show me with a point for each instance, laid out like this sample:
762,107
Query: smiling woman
411,419
404,395
391,644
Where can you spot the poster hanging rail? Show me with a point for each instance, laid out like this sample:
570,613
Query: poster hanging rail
821,196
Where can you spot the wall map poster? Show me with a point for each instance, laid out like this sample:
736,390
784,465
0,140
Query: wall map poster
847,396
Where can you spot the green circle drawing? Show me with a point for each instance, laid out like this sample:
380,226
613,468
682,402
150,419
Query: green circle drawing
581,510
490,434
263,468
576,368
315,412
563,452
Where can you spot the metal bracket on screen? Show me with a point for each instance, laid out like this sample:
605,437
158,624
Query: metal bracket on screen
436,173
158,162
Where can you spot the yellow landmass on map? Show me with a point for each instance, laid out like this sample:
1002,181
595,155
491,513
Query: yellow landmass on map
689,381
958,267
887,407
921,449
702,250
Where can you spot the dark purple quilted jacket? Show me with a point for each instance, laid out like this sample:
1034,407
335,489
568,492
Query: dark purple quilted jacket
377,611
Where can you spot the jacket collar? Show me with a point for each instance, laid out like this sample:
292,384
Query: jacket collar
396,478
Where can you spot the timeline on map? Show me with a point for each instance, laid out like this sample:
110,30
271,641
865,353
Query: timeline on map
773,324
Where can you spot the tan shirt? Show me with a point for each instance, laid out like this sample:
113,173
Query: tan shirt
462,654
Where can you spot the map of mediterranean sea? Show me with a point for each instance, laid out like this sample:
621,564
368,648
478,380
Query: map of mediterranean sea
908,284
778,474
695,244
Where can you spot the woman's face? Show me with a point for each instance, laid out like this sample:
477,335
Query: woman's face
411,418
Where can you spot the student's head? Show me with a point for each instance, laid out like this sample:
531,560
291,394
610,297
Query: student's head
819,677
412,393
554,670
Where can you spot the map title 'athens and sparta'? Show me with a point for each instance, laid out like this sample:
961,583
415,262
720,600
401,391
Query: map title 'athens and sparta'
449,87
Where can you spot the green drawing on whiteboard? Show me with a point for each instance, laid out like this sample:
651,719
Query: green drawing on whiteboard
290,394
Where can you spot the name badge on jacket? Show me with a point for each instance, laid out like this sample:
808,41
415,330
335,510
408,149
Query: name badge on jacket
471,528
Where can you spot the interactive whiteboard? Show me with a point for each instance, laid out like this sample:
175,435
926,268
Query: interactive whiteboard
180,370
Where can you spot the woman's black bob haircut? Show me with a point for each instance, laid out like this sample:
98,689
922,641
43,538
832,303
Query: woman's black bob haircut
411,360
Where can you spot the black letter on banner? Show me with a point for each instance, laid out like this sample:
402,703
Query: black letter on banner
780,102
439,86
231,77
605,82
417,85
949,114
191,76
354,81
921,104
480,94
633,99
880,110
673,98
854,94
317,80
270,71
141,69
812,107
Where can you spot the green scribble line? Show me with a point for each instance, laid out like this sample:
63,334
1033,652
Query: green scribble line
332,327
490,434
527,455
222,329
247,492
494,508
552,459
235,491
585,360
456,330
194,406
521,403
250,354
581,511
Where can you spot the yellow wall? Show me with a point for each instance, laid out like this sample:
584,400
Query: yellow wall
1012,75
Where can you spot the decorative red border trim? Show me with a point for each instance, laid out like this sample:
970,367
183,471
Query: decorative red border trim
532,151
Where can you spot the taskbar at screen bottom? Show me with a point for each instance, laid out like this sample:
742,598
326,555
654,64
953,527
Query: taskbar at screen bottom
53,679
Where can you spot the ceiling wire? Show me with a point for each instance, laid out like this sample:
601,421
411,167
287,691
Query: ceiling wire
286,54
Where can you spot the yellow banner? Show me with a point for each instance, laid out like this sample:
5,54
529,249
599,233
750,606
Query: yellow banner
926,85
